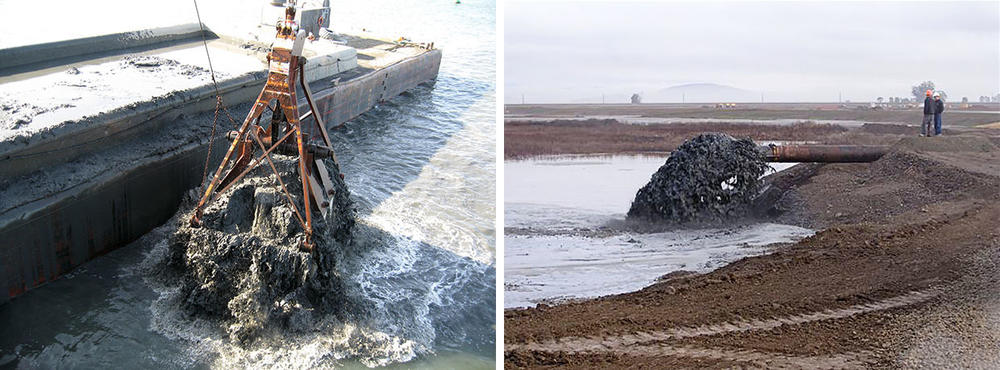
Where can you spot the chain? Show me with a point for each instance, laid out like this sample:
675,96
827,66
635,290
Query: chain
218,96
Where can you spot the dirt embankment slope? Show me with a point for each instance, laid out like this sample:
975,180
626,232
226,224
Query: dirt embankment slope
905,274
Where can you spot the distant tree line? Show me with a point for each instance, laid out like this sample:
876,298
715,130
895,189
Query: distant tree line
920,90
988,99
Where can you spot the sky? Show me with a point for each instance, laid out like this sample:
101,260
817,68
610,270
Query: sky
573,52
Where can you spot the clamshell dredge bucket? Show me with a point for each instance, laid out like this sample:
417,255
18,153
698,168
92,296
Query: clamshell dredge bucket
312,143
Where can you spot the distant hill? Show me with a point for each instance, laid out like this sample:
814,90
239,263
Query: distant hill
704,93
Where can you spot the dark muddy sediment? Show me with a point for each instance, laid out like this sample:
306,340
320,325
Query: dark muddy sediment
244,266
709,178
36,109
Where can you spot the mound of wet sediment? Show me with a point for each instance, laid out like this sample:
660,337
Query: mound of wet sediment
960,143
917,175
244,267
710,178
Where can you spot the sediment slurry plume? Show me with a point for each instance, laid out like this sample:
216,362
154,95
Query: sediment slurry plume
244,266
711,177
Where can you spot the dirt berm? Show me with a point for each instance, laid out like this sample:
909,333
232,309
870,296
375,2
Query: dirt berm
904,273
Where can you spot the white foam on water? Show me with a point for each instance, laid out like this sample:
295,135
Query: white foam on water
451,203
401,286
331,343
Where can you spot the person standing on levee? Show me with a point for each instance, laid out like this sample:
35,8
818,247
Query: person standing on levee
938,109
925,125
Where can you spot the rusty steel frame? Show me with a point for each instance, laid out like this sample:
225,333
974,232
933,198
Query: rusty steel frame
283,68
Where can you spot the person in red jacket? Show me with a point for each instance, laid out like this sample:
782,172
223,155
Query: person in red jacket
927,126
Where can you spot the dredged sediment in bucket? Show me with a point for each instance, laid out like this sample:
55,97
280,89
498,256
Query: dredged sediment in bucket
243,265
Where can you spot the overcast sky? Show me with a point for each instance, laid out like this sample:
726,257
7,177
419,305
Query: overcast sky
575,51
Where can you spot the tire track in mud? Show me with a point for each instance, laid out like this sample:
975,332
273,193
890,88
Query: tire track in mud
644,343
763,359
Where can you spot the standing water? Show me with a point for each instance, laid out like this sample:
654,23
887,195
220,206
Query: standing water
421,170
558,244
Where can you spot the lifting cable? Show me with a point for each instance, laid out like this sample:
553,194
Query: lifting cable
218,96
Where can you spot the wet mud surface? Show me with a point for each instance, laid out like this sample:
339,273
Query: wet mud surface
46,106
18,114
902,274
709,178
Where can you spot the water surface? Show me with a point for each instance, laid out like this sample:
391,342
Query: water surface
558,245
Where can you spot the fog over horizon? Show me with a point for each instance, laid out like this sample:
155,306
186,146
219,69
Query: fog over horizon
562,52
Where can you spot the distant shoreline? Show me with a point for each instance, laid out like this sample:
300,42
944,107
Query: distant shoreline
524,140
543,130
